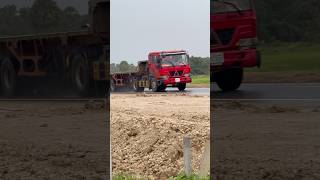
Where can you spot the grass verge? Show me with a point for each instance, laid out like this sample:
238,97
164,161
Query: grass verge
289,57
200,81
178,177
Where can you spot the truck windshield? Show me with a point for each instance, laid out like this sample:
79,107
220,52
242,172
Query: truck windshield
225,6
174,60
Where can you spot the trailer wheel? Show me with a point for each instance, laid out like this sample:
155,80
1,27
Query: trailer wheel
8,78
230,79
182,86
136,87
80,75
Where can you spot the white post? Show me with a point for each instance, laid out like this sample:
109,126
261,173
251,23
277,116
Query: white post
187,155
205,161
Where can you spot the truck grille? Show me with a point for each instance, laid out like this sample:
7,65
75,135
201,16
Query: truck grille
225,35
176,73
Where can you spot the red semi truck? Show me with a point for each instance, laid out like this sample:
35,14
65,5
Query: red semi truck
161,70
233,41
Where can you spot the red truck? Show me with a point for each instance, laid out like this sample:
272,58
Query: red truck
161,70
233,41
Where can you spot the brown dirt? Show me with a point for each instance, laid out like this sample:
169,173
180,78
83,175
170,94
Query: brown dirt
51,140
282,77
265,141
148,130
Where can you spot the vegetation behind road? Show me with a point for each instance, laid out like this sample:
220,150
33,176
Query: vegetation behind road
288,57
43,16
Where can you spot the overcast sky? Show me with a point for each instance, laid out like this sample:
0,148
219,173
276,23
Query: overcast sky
141,26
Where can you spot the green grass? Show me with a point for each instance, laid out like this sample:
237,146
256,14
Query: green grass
192,177
200,79
289,57
179,177
124,177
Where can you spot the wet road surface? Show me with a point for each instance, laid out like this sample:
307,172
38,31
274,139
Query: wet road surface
270,92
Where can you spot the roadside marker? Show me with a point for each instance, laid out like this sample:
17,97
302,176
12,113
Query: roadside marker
187,155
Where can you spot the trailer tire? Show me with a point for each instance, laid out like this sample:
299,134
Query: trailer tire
182,86
136,87
230,79
80,75
8,78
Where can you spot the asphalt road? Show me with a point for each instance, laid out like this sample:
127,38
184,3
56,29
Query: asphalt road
270,92
192,91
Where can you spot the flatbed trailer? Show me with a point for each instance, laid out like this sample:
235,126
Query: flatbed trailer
78,58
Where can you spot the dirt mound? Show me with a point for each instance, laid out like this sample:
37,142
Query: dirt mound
147,139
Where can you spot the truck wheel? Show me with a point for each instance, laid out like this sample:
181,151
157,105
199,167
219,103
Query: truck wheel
162,87
8,78
136,87
182,86
154,85
80,76
112,86
230,79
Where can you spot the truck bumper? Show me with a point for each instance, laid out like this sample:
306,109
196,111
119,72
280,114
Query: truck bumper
236,58
176,81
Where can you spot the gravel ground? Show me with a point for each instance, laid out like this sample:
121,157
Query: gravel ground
52,140
266,141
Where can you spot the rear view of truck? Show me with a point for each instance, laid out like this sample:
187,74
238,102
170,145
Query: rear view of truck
233,41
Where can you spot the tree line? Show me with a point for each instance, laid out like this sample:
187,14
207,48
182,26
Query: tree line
42,17
288,20
199,66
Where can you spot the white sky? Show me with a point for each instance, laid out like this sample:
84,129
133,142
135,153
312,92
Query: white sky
141,26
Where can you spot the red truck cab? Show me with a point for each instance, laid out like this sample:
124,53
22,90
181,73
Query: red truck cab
233,41
169,69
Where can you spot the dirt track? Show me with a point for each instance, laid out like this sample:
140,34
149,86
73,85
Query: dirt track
266,141
50,140
148,130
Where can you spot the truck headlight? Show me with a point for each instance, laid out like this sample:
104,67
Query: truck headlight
248,42
187,75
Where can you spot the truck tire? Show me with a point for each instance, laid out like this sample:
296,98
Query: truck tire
80,76
136,87
8,78
230,79
182,86
162,87
154,85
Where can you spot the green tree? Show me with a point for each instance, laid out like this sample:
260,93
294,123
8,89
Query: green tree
124,66
45,15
